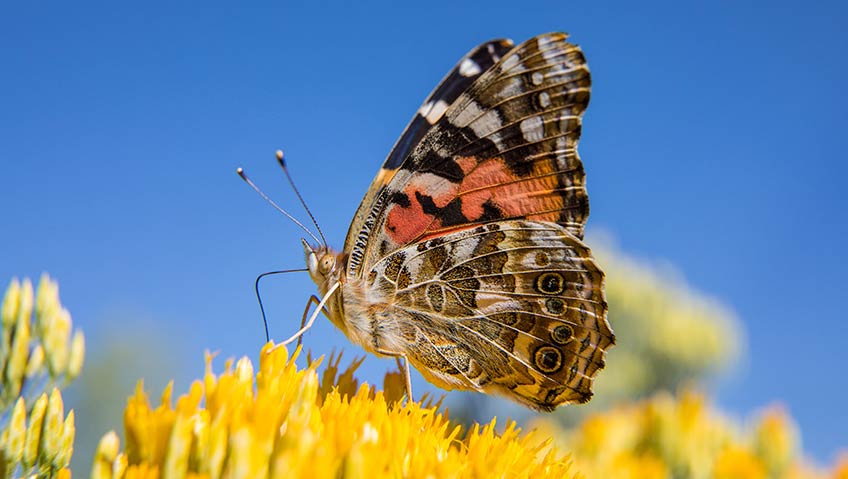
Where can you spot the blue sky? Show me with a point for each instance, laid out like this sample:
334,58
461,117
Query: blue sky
715,140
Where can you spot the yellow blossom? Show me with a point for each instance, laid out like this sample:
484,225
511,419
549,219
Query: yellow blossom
106,457
54,427
283,421
39,443
37,439
18,353
14,443
33,438
76,355
776,440
35,362
738,463
35,341
683,436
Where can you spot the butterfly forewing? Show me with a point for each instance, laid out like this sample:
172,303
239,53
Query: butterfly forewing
505,149
467,70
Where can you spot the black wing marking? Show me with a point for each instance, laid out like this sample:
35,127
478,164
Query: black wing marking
467,70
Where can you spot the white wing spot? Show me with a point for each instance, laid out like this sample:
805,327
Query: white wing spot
537,78
469,68
563,153
432,112
497,139
495,56
533,129
511,62
486,124
471,111
551,54
425,109
544,99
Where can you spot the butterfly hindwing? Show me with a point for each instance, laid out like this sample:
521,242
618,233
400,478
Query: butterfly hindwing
514,308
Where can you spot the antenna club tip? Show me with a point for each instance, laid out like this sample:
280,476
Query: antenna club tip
240,170
280,156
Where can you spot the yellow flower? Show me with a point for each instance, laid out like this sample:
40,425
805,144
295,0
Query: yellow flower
738,463
683,436
44,446
35,435
776,440
35,340
286,422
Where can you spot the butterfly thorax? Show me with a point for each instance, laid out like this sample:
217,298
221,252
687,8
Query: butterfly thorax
361,313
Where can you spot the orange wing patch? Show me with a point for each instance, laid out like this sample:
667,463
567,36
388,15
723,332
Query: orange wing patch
492,181
490,190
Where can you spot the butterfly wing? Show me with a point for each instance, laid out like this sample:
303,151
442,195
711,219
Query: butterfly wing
466,254
505,148
513,308
464,73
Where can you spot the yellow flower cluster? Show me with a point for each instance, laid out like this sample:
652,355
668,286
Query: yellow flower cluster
34,347
36,352
668,437
42,443
284,422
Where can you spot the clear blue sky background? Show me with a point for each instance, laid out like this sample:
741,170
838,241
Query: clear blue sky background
715,140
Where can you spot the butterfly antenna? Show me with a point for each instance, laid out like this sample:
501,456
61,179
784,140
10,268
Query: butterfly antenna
243,176
282,162
259,296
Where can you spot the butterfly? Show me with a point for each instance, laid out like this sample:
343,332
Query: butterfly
465,258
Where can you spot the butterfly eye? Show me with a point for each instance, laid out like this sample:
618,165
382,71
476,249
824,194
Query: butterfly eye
328,261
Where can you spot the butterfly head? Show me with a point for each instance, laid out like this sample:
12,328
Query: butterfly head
322,262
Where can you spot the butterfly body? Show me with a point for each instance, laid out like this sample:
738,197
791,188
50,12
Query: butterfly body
466,255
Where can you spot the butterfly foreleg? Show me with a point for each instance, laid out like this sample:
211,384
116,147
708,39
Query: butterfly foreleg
318,310
312,300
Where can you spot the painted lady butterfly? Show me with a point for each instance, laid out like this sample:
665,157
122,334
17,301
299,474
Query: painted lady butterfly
466,255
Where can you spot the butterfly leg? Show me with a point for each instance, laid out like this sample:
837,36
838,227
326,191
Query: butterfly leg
312,318
402,366
407,377
312,300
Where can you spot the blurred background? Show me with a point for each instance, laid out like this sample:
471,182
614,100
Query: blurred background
713,145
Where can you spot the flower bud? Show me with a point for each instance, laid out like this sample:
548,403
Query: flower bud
33,437
14,444
77,355
51,437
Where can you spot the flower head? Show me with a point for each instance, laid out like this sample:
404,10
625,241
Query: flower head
37,347
683,436
284,421
37,353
